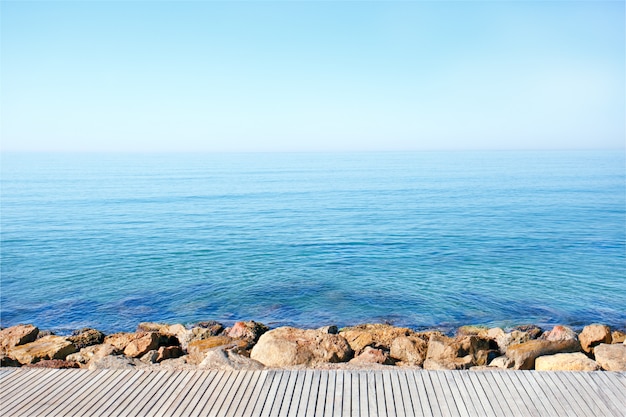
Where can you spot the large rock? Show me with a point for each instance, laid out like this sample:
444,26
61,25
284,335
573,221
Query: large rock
86,337
566,362
504,340
117,362
16,336
618,337
247,330
48,347
54,364
371,355
173,330
288,346
228,360
523,355
379,336
462,353
593,335
120,340
168,352
410,350
611,357
198,348
142,344
89,353
559,334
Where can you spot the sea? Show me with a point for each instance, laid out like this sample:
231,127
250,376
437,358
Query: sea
417,239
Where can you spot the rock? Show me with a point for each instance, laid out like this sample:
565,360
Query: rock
480,331
523,355
176,331
531,330
374,335
593,335
288,346
86,337
90,352
566,362
197,349
611,357
371,355
502,362
199,333
228,360
504,340
7,361
44,333
411,350
142,344
120,340
54,364
329,329
178,364
246,330
117,362
150,357
618,337
214,327
559,334
17,335
168,352
48,347
447,353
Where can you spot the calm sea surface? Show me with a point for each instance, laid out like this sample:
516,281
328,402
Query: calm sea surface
418,239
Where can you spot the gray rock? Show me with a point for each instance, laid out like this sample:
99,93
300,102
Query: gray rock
227,360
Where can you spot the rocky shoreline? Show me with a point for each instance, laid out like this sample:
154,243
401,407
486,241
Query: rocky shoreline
250,345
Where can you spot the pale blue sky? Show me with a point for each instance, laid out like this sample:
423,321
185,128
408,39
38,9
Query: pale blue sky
321,76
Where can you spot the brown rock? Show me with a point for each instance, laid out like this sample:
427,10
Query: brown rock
531,330
247,330
54,364
411,350
213,326
375,335
611,357
480,331
504,340
566,362
17,335
288,346
94,353
618,337
501,362
371,355
48,347
168,352
86,337
593,335
447,353
177,332
197,349
223,359
523,355
121,340
142,344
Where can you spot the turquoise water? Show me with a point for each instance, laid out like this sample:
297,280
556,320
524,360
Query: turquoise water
433,239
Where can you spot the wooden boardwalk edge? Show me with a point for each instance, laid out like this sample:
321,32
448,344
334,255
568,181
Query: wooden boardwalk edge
299,393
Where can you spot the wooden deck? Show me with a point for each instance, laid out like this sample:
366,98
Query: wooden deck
75,392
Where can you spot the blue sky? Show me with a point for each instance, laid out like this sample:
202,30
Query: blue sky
312,76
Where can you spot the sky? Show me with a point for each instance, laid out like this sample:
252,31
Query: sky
201,76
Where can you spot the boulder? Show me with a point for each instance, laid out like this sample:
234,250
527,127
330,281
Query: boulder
246,330
611,357
566,362
48,347
117,362
176,332
371,355
120,340
531,330
86,337
504,340
197,349
480,331
523,355
618,337
142,344
375,335
288,346
17,335
462,353
593,335
559,334
212,326
501,362
54,364
150,357
178,364
168,352
411,350
90,352
223,359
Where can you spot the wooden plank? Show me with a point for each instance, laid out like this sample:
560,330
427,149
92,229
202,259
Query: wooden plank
346,403
572,402
91,397
613,401
618,396
363,408
243,394
140,389
413,393
381,404
218,403
394,387
585,389
469,403
405,392
492,396
132,405
252,393
583,404
320,405
233,391
178,395
200,405
503,381
71,397
475,390
288,395
306,394
447,380
372,405
123,390
338,395
535,394
19,377
271,396
330,394
311,406
164,391
288,377
560,400
297,395
264,395
433,403
186,406
422,395
447,409
33,381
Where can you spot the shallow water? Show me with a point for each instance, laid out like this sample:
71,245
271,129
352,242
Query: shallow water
433,239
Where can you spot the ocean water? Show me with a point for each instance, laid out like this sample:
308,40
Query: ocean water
425,239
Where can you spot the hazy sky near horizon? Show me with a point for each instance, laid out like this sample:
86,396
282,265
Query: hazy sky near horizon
311,76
